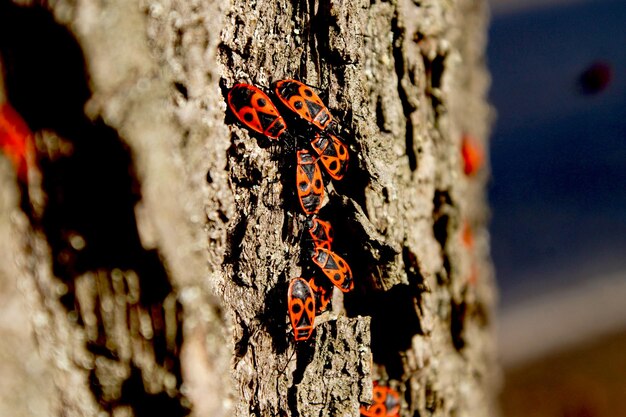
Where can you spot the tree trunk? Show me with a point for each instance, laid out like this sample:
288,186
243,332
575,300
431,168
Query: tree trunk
156,237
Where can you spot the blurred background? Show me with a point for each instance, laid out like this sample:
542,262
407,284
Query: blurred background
558,196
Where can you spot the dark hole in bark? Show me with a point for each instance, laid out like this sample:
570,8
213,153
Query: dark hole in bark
356,178
394,313
434,73
304,351
386,194
222,215
148,405
407,107
442,210
457,319
394,323
433,400
241,346
380,116
235,237
273,317
94,384
181,89
317,30
410,140
91,192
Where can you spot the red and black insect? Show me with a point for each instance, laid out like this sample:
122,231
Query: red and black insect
309,182
333,154
16,141
301,99
301,304
321,232
334,267
255,109
323,293
385,403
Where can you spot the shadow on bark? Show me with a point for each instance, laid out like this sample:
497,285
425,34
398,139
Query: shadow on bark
89,220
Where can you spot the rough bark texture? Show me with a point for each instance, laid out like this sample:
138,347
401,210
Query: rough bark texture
155,250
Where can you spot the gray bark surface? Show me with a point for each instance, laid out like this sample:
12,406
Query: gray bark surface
155,241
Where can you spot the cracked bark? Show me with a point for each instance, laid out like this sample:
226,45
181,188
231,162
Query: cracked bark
155,251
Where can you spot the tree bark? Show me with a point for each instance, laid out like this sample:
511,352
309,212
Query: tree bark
156,237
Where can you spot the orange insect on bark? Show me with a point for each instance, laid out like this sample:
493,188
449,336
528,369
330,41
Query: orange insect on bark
16,140
301,305
467,235
333,154
473,155
334,267
321,233
255,109
309,182
385,403
303,101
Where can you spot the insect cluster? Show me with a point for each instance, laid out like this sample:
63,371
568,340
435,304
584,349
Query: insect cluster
321,148
308,297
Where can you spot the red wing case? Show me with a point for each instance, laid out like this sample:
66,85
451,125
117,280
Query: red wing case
303,101
309,182
322,233
335,268
333,154
301,305
254,109
16,140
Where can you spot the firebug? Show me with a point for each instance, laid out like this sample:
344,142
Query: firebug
309,182
254,109
16,140
473,155
385,403
301,305
302,100
333,154
334,267
321,232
